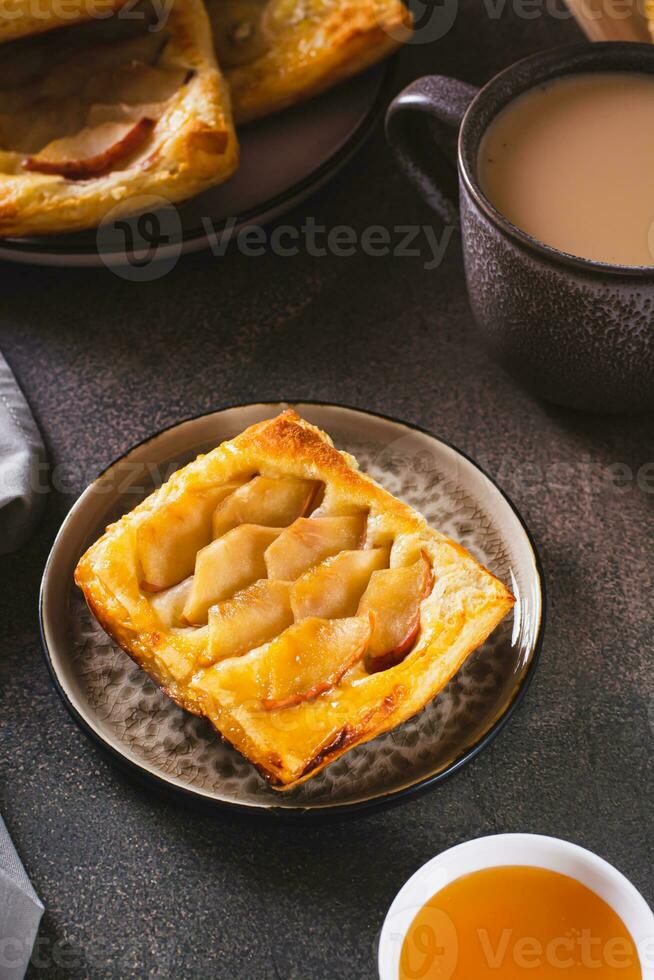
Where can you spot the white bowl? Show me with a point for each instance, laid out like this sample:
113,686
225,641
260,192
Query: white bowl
515,849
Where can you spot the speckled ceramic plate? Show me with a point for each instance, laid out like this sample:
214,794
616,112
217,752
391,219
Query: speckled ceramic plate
120,706
284,159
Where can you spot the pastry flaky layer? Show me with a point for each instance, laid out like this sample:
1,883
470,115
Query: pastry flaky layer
123,112
274,588
116,116
276,53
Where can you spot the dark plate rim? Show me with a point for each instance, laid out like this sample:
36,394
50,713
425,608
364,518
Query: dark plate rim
324,811
301,189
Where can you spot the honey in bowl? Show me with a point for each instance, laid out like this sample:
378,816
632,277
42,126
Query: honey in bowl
571,163
514,923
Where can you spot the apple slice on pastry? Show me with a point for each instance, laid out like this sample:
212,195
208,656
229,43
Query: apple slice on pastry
303,662
169,604
332,590
264,500
94,151
251,617
394,596
169,540
309,540
311,658
228,564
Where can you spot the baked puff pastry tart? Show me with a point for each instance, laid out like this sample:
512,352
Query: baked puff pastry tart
276,53
98,117
272,587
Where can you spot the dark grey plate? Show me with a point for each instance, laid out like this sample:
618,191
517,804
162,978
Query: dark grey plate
283,160
121,708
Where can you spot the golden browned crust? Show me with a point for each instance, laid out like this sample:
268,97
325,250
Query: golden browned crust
290,744
192,146
649,14
311,45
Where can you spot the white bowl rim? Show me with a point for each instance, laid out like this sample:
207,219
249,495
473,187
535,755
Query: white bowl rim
534,850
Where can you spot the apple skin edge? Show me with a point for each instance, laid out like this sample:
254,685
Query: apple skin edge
271,704
375,664
395,656
98,165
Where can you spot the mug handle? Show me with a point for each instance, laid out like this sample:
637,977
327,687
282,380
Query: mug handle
422,128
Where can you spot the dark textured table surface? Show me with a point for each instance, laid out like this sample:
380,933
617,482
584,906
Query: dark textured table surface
134,885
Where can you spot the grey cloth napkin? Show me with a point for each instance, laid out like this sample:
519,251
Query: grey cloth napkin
20,911
23,485
22,494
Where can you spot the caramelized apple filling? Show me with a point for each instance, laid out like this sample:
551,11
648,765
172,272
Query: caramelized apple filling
228,564
273,588
332,589
393,597
247,30
273,502
310,658
269,567
253,616
82,101
309,541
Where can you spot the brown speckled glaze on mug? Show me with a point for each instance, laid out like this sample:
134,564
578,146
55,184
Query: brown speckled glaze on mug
574,331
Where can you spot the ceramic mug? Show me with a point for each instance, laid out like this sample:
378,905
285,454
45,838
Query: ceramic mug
574,331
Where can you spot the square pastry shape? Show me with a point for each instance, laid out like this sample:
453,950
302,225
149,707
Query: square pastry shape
274,588
119,115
